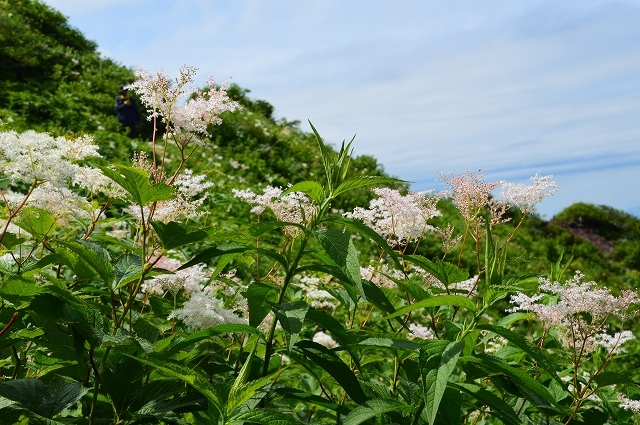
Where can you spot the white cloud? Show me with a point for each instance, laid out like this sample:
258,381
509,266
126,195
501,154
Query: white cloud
507,86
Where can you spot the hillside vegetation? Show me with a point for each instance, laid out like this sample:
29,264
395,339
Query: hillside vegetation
87,305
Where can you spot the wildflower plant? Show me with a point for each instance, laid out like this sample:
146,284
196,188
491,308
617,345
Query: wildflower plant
122,303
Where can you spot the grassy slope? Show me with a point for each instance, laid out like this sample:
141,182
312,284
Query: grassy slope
52,79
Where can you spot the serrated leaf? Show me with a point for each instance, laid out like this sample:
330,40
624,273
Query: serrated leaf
36,221
43,399
136,182
436,367
436,301
128,267
20,287
173,234
312,189
373,408
93,258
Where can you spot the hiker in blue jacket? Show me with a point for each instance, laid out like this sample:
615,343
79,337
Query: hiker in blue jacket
127,111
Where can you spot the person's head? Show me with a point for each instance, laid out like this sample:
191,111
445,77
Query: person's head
124,90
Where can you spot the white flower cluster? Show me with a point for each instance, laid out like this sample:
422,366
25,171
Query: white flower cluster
416,330
185,108
574,299
527,197
48,165
294,207
189,280
189,195
204,309
34,158
324,339
381,275
628,404
398,218
318,298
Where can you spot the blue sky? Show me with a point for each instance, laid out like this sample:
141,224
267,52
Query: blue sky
513,87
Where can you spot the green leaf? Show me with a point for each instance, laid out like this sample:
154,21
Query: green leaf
208,333
437,362
36,221
376,296
361,181
136,182
539,355
258,296
373,408
437,301
242,391
296,394
215,252
123,383
43,399
127,268
312,189
291,318
450,411
499,408
613,378
264,417
340,248
188,375
372,234
334,366
10,240
396,344
530,388
94,257
173,234
446,273
20,287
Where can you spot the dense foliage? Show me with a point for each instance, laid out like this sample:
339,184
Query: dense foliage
203,275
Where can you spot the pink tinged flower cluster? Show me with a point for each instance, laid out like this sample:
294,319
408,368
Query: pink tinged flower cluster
574,299
526,197
294,207
185,107
398,218
471,193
